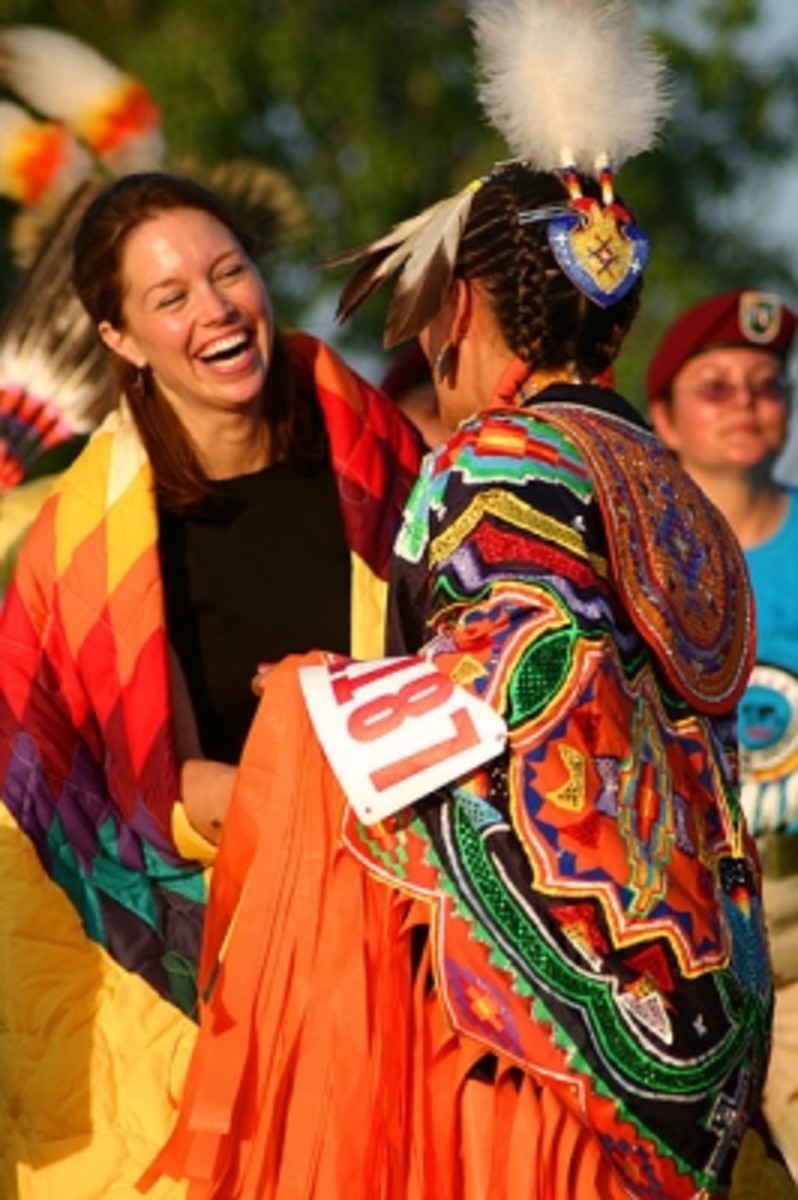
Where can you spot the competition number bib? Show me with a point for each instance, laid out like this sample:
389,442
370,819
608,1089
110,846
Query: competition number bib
394,729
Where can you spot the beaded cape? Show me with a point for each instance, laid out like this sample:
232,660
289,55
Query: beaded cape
88,766
596,912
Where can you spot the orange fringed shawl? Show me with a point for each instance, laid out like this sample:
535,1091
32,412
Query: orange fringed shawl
322,1069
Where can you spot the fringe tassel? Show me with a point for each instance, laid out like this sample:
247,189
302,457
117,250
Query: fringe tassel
325,1067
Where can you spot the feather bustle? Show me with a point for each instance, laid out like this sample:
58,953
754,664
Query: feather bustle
38,159
61,77
263,194
54,72
48,345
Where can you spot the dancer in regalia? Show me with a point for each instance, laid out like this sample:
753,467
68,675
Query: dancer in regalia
547,979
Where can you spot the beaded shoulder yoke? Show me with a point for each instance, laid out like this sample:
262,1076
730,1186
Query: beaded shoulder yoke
676,562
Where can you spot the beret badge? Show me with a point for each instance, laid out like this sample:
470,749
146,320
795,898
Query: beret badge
759,315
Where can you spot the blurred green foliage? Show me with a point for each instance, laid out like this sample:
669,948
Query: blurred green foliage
370,110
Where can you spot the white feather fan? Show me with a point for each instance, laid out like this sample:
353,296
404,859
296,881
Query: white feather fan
569,82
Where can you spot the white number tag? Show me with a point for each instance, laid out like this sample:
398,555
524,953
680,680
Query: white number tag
394,729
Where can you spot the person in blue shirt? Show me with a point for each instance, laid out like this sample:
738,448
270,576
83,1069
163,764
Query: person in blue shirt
719,397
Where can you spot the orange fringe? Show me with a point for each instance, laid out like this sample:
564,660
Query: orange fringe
322,1071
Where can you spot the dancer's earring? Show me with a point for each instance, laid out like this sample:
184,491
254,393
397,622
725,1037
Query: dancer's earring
444,361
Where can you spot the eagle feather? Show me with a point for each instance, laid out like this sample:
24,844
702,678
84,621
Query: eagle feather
423,249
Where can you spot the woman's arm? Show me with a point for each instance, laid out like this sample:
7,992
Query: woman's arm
205,786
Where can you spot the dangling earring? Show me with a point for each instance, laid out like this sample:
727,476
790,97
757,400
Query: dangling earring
444,361
139,385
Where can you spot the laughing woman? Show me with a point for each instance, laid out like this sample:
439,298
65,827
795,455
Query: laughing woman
244,475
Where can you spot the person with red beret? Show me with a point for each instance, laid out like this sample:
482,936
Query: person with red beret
719,397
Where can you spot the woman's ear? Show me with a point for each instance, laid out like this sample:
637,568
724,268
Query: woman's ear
120,343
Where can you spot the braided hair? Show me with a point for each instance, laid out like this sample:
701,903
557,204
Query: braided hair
545,320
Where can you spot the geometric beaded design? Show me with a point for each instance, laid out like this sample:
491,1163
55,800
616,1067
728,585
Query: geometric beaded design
676,562
595,915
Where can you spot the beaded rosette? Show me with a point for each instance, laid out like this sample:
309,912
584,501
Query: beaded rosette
598,245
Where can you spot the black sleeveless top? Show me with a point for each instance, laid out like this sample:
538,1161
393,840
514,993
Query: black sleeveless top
269,577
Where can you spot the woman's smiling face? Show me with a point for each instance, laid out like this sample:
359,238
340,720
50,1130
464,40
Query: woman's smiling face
196,312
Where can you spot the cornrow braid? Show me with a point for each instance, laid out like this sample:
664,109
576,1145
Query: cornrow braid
544,318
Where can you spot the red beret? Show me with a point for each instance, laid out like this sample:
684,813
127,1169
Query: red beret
743,317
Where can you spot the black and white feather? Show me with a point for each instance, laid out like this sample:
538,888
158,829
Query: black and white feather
424,250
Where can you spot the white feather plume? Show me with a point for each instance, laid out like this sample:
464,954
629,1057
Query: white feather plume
568,82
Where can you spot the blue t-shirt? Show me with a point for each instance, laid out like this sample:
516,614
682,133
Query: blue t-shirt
769,708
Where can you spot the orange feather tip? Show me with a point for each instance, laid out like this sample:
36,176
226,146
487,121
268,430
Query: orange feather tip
127,116
35,157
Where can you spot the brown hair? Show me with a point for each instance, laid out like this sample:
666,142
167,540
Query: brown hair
544,318
292,413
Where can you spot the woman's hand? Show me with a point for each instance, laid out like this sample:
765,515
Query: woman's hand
259,678
206,787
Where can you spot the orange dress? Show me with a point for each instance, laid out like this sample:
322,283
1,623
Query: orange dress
326,1066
